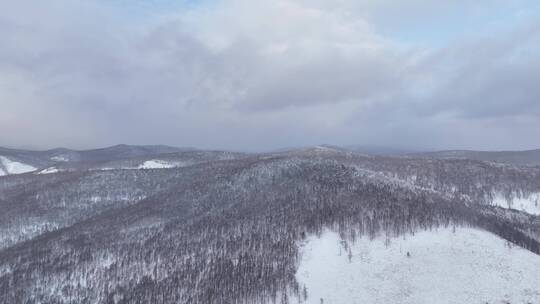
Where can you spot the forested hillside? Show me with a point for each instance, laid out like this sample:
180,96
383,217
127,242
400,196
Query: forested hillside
227,227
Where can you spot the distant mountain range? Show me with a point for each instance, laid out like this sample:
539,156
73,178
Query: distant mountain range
62,159
17,161
528,158
40,158
525,158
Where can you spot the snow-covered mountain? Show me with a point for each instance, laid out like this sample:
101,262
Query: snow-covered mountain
219,227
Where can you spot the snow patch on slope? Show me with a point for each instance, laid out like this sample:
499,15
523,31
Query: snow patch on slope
529,204
49,171
13,167
156,164
60,158
149,164
465,266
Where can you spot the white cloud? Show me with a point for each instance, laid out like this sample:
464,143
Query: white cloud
242,74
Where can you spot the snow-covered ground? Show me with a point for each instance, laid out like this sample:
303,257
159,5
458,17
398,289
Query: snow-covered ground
13,167
60,158
48,171
465,266
156,164
529,204
149,164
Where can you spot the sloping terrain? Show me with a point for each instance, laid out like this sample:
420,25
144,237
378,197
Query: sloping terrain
53,198
528,203
227,227
9,166
446,265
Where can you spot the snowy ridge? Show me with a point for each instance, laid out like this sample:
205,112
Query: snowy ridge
8,166
444,266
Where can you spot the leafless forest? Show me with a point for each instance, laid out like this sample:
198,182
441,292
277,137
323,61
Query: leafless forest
223,227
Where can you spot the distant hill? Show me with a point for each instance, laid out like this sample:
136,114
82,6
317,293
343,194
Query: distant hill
16,161
380,150
527,158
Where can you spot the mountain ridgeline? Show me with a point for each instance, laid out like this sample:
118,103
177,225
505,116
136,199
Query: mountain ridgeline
522,158
158,224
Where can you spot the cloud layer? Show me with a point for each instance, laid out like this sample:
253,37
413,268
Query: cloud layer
268,74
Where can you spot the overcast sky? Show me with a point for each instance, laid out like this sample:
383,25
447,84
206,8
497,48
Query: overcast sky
268,74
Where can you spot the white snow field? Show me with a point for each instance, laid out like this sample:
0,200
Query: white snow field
60,158
48,171
156,164
13,167
446,267
529,204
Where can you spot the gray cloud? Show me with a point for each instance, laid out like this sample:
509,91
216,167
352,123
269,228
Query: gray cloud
239,75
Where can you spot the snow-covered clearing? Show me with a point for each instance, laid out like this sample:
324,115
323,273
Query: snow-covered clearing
529,203
49,171
13,167
60,158
156,164
149,164
465,266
